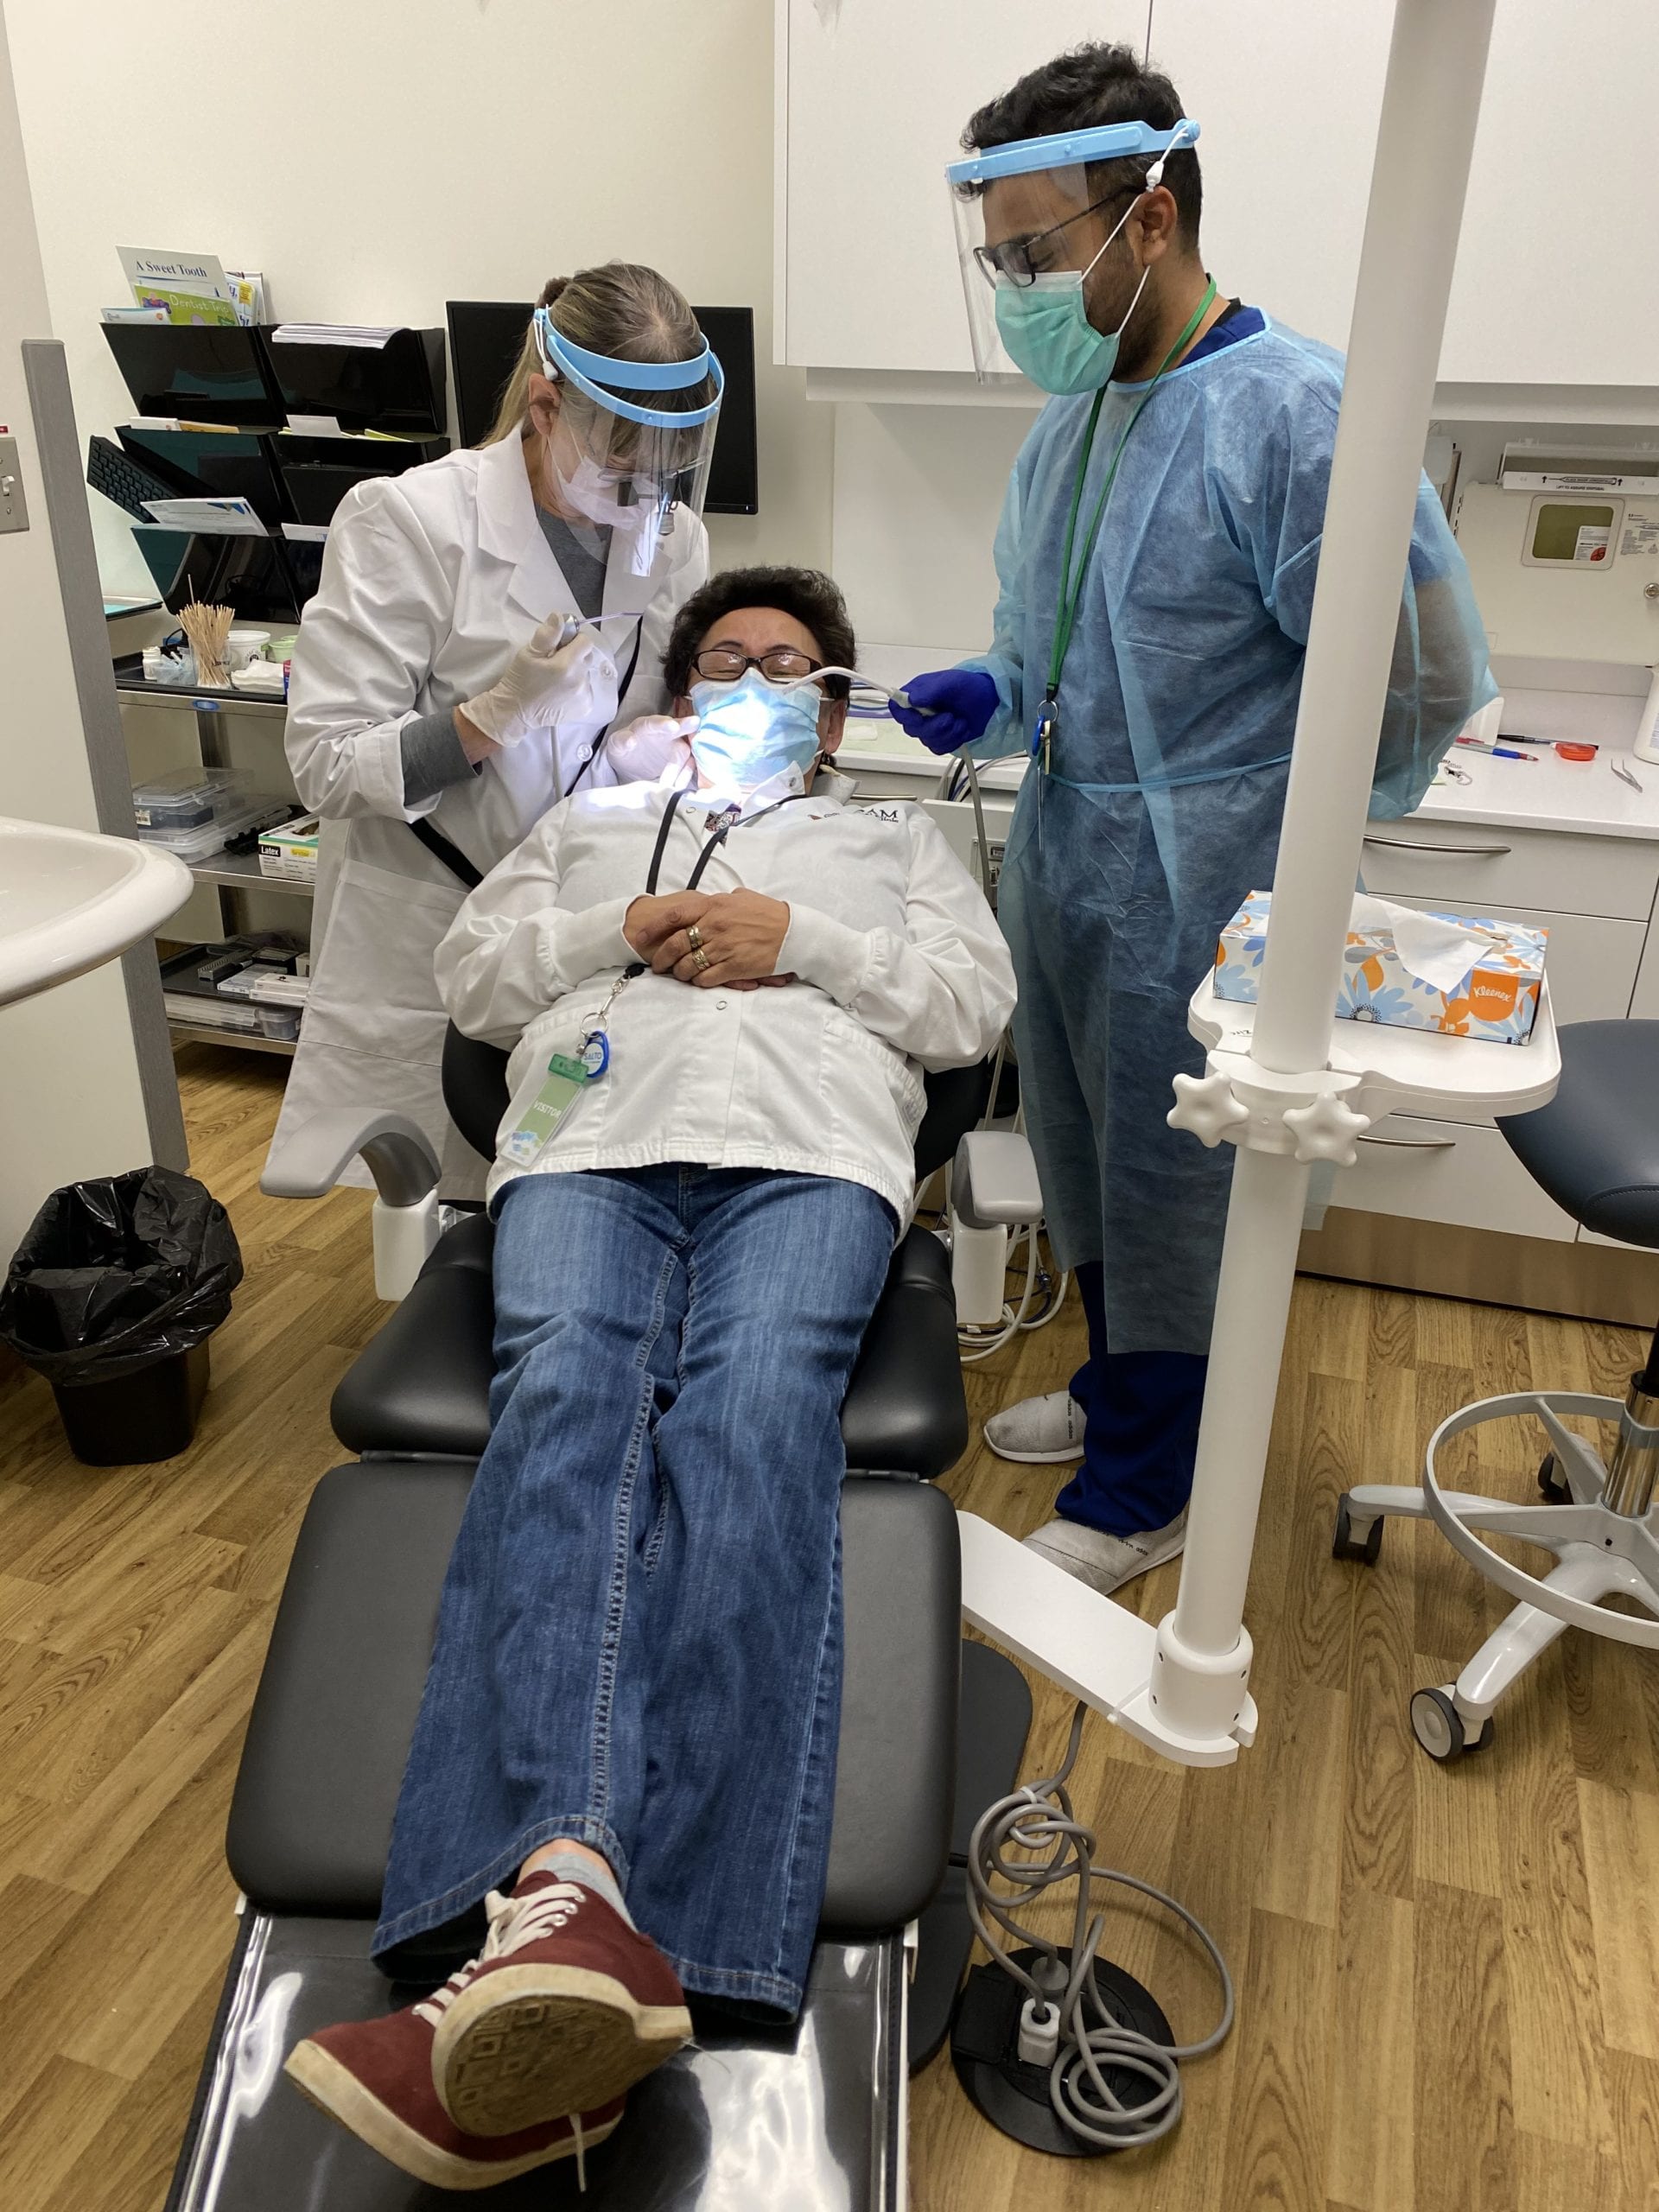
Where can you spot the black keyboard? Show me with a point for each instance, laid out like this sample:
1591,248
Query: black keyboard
120,478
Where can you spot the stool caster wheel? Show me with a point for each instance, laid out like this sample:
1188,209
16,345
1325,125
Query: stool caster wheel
1438,1726
1552,1490
1345,1545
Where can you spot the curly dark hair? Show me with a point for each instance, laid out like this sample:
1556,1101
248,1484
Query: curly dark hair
1081,90
811,597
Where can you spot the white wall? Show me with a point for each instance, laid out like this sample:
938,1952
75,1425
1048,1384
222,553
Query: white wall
918,491
375,157
70,1103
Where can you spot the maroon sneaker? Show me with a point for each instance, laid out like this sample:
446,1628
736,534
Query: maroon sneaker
375,2078
563,2010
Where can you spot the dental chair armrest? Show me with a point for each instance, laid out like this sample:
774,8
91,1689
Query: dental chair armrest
993,1180
396,1151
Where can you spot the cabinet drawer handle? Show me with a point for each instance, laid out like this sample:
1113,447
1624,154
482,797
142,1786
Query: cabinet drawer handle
1424,845
1413,1144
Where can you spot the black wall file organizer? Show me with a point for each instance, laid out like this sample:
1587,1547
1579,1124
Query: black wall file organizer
249,382
264,579
317,472
210,464
197,371
398,386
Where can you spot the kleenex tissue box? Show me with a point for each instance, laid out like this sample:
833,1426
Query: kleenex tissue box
1467,976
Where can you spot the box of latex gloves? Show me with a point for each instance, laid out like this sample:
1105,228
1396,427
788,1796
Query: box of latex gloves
1466,975
290,850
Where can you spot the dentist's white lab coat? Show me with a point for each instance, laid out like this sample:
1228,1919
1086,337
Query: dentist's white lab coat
430,582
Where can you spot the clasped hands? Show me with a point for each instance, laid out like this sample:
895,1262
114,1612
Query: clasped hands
739,935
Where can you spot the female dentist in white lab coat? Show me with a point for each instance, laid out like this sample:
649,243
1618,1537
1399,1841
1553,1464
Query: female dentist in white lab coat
488,634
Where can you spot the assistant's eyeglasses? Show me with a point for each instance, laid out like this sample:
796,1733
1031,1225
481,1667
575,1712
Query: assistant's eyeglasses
1011,258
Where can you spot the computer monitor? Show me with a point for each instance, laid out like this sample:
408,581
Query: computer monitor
485,336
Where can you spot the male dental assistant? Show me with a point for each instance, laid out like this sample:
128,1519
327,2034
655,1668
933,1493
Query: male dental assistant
1157,557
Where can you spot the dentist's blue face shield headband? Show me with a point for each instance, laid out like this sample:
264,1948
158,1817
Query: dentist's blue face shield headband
1025,250
641,436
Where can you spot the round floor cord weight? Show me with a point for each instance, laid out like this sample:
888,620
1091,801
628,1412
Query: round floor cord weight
1014,2096
1058,2047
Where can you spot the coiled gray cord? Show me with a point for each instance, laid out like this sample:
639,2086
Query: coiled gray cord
1090,2040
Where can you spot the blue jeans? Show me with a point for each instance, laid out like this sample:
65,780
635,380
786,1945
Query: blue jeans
640,1639
1140,1437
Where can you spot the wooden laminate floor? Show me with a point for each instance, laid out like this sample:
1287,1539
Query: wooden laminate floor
1447,1979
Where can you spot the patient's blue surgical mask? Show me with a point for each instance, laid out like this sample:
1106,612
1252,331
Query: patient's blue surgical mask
750,730
1046,326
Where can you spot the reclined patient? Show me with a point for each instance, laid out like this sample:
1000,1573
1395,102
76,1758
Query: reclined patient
719,989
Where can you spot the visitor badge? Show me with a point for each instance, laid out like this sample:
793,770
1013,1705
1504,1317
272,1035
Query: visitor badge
565,1081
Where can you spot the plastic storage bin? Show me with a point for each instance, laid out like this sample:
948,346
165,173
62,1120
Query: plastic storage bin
186,800
195,812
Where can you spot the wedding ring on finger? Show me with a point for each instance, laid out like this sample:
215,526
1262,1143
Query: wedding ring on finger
699,959
694,938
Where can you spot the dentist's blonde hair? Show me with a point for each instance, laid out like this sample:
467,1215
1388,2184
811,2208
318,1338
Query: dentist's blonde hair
620,308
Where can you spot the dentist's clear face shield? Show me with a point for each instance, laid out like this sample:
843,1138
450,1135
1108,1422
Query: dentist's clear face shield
635,439
1021,211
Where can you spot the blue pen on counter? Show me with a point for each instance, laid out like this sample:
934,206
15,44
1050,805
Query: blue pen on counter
1498,751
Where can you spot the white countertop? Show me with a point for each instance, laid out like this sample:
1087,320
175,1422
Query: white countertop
1584,797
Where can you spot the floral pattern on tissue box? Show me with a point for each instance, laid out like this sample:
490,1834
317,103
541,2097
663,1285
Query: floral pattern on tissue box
1497,1000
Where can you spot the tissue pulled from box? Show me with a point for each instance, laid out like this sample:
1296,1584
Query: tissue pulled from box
1466,975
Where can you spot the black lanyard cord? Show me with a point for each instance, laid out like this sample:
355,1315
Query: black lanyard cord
661,846
723,831
719,837
605,735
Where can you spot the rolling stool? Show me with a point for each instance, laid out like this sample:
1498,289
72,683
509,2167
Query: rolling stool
1595,1151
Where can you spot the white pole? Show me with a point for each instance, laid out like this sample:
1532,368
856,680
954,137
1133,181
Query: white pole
1430,105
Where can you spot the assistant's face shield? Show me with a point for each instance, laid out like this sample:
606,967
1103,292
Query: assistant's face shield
633,440
1031,218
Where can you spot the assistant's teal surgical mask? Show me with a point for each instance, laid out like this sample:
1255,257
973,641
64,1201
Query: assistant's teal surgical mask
751,730
1045,326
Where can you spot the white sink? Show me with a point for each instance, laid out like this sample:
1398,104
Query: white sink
70,900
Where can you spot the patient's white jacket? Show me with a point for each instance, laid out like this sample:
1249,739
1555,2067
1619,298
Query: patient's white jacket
901,967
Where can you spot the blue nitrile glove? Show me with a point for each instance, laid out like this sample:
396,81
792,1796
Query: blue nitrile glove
961,701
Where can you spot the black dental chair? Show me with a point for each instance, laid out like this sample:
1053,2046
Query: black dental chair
741,2119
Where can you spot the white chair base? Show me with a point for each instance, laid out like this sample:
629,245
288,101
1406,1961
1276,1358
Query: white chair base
1600,1549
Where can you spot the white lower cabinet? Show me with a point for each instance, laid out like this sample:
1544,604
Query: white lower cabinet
1460,1174
1594,896
1476,869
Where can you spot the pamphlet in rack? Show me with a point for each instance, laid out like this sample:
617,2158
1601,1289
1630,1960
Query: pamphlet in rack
191,288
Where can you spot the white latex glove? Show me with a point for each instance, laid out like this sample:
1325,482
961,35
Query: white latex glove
640,751
546,682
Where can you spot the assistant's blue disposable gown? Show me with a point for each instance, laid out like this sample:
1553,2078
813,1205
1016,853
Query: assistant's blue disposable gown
1177,707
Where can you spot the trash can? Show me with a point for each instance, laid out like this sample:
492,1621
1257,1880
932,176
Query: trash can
111,1296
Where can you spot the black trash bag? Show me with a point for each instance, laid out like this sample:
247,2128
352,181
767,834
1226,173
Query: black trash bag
117,1272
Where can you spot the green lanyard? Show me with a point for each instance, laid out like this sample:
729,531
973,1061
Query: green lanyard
1071,582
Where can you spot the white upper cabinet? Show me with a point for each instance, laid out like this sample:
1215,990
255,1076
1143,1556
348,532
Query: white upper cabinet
1558,272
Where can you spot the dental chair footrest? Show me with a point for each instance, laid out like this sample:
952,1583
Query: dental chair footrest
422,1384
736,2122
311,1818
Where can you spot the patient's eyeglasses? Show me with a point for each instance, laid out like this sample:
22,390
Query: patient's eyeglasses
727,664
